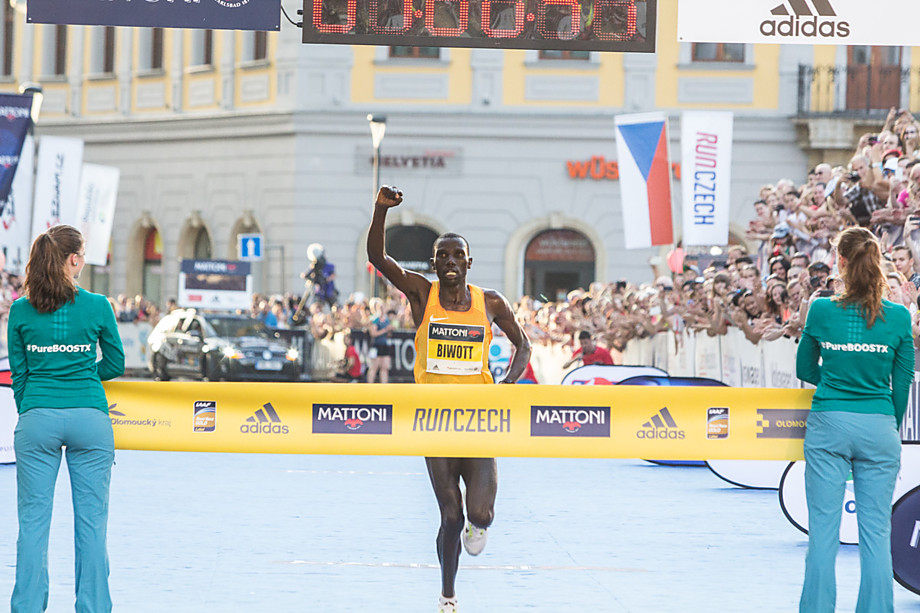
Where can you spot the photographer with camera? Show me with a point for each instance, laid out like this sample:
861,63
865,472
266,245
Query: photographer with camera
855,190
319,283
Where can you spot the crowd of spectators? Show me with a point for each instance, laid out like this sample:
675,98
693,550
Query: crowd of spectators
763,292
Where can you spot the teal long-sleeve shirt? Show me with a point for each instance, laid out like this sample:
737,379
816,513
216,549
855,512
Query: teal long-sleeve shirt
861,369
53,355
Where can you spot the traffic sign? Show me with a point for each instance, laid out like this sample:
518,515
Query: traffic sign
249,246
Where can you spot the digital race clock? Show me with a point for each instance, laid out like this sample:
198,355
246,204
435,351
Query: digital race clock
585,25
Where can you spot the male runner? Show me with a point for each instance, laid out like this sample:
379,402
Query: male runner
439,308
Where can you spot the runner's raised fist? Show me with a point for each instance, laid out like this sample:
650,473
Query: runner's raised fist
388,196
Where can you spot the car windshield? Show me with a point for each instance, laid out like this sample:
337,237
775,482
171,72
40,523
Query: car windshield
230,327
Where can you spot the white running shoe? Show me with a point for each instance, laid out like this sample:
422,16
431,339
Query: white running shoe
474,539
447,605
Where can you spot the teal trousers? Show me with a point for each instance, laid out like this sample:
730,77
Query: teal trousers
869,445
39,437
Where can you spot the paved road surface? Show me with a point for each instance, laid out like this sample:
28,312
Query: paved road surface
234,533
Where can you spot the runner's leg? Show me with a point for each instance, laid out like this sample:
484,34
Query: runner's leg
445,479
480,475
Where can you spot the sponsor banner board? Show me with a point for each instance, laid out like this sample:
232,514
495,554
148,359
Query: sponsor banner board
794,504
706,149
57,183
583,421
206,14
215,284
15,119
905,540
16,216
805,22
96,210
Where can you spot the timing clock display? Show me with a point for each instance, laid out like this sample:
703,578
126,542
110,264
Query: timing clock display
582,25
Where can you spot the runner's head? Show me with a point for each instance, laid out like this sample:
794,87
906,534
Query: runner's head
451,259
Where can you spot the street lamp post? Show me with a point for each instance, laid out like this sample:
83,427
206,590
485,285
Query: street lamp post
37,97
378,124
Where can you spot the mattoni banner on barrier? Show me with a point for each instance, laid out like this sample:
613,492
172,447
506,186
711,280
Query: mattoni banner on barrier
460,420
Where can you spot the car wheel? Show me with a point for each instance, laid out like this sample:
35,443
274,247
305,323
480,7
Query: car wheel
160,370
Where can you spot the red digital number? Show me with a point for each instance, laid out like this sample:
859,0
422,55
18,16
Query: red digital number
390,16
554,31
461,17
502,32
334,28
628,17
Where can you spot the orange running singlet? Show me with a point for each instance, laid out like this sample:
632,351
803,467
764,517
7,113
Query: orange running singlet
453,346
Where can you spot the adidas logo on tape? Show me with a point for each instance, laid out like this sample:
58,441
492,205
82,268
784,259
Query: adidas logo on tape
661,426
264,421
804,18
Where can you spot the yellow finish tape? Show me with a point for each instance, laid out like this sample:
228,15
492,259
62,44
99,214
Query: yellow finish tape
675,423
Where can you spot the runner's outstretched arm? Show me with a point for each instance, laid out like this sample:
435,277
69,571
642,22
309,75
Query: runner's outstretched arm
413,285
501,314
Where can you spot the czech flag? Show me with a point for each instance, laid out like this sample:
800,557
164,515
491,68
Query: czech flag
645,179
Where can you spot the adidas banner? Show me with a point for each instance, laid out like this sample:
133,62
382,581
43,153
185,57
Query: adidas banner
583,421
706,150
810,22
645,179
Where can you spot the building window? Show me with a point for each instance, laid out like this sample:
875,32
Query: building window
54,51
718,52
60,50
102,55
150,42
416,52
202,47
6,65
559,54
202,248
255,46
260,46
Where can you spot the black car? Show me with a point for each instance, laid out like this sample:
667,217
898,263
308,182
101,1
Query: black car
219,346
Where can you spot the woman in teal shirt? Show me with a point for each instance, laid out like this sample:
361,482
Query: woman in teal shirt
857,349
53,334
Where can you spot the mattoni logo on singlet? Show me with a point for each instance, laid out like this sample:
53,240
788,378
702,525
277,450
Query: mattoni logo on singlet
456,332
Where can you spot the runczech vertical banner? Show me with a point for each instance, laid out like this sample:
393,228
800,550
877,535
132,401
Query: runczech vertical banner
16,217
706,173
645,179
57,182
96,210
15,119
207,14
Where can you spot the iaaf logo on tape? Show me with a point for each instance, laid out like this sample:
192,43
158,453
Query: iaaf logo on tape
352,418
795,18
717,423
569,421
782,423
204,416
